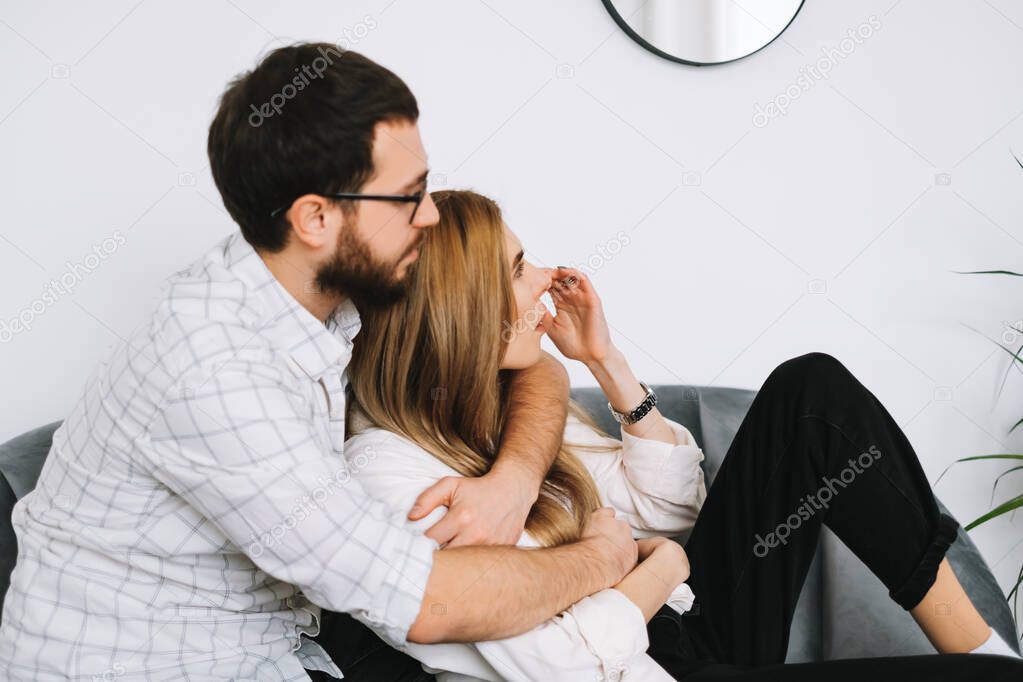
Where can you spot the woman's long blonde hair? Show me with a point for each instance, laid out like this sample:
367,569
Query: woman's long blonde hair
428,367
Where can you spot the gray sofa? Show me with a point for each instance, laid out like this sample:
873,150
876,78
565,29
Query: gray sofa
843,611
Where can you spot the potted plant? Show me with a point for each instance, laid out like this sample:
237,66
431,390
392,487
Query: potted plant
1015,460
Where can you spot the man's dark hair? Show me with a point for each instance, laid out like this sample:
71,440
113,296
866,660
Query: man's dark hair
301,121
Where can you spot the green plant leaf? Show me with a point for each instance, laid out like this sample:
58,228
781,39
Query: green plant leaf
1004,508
998,456
1014,596
1015,425
1016,502
1008,369
1000,478
973,458
1015,355
1018,355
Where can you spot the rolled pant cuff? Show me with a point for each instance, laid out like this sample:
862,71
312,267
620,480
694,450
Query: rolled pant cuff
913,590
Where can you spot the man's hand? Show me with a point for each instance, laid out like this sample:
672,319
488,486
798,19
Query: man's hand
612,539
488,510
492,509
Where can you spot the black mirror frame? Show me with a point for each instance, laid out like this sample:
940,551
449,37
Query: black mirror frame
622,24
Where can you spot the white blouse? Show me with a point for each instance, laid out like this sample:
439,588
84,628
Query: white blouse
658,488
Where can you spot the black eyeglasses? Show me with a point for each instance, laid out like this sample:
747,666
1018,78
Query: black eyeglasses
416,199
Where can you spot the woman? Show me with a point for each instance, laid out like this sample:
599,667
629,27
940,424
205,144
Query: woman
427,403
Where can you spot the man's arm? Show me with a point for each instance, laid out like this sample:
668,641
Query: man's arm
537,408
485,593
253,467
492,509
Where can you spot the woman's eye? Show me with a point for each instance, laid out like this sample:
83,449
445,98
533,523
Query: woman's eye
520,268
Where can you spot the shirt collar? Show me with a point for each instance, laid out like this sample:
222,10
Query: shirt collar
316,346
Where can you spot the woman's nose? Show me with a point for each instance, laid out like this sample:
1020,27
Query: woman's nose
547,276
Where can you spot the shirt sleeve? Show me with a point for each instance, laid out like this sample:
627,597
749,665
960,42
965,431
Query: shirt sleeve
598,637
242,448
658,487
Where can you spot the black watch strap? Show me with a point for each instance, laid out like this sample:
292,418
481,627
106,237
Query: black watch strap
640,411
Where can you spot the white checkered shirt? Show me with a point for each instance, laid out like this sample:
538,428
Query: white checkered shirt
195,511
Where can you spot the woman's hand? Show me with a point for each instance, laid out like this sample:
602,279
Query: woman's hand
663,566
674,557
646,546
579,330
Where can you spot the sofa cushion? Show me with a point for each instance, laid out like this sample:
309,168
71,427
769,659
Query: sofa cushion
21,460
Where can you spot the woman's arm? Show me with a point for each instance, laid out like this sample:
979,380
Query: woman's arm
657,481
581,333
624,393
663,566
656,487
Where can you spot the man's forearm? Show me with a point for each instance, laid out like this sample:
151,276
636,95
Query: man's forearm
537,407
482,593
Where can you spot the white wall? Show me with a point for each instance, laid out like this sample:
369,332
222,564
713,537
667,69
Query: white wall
825,229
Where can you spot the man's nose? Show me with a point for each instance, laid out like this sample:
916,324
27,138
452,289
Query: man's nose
427,214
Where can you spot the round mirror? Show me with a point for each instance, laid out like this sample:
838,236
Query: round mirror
703,31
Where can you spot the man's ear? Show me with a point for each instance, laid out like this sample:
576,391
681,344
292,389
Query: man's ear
314,220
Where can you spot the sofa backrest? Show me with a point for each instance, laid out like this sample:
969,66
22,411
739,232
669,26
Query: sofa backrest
711,414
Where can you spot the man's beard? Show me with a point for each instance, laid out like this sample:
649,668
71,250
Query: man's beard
353,272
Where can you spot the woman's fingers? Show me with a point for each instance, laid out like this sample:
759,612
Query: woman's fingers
547,321
568,276
572,280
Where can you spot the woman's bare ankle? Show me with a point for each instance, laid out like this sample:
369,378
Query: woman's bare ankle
947,616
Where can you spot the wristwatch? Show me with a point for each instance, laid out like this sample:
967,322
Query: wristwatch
642,410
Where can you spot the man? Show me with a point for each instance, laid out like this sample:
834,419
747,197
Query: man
195,512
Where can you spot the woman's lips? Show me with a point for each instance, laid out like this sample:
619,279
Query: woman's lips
540,311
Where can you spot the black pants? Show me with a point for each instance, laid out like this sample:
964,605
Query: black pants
815,448
362,655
